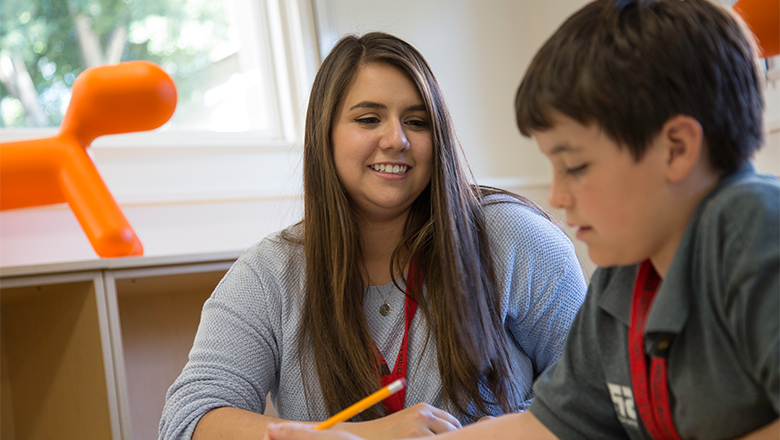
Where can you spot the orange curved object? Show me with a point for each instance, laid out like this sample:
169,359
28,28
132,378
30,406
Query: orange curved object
127,97
763,17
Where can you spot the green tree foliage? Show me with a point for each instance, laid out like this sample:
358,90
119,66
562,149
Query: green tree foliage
46,44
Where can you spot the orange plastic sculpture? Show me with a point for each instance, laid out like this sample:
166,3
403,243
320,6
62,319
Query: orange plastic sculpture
122,98
763,17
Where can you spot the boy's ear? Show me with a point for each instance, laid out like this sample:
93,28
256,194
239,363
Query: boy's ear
683,141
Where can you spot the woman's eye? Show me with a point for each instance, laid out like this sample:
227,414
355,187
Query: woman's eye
369,120
418,123
576,171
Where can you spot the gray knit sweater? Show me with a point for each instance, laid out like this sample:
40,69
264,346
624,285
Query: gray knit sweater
246,343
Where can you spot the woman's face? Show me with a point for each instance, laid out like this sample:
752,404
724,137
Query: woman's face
382,142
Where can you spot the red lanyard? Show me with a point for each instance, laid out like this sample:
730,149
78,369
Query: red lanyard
396,401
650,394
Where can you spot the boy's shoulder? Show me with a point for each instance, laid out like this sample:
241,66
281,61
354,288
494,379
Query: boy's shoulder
734,237
743,195
739,218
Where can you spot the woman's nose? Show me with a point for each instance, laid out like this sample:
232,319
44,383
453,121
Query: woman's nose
394,137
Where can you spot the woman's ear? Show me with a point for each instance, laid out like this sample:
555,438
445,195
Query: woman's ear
683,141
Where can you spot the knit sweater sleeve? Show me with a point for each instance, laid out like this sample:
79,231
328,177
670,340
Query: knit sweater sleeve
235,356
541,279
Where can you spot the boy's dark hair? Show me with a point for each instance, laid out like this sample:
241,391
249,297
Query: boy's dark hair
630,66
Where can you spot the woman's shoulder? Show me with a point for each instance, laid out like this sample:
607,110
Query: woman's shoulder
283,244
509,214
519,232
274,258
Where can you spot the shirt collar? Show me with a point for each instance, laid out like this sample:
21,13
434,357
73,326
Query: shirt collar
671,304
616,299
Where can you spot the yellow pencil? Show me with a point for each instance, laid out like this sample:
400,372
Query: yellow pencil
364,404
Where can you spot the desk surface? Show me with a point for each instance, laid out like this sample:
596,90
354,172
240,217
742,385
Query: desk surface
117,263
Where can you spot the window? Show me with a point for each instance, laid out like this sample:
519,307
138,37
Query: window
243,70
241,67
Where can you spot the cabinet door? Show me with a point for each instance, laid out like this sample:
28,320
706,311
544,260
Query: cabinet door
156,312
56,371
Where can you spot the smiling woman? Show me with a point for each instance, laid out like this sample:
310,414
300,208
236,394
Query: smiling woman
382,145
399,269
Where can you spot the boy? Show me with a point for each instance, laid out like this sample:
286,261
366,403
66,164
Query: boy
650,111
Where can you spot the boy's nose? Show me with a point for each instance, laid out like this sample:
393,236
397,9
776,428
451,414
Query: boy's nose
559,197
394,137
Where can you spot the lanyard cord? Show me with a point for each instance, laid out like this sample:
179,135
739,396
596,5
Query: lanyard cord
651,394
395,402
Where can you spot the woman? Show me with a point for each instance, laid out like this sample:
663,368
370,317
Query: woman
399,268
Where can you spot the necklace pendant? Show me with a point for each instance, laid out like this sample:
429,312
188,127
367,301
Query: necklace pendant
384,309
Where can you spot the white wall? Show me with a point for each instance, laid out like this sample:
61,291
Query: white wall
479,51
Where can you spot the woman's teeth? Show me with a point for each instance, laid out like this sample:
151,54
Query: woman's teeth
390,169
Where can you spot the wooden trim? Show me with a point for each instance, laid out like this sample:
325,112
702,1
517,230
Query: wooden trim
108,358
10,272
117,352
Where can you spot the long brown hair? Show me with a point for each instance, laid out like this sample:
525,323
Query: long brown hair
444,234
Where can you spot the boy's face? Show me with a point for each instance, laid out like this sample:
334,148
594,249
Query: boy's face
617,204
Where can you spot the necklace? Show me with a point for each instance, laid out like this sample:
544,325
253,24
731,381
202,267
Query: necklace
385,308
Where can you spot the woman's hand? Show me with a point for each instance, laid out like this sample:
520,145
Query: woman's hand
299,431
421,420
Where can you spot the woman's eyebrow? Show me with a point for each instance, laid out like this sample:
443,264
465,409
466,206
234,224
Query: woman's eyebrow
368,104
377,105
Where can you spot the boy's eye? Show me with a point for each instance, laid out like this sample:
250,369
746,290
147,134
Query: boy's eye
576,171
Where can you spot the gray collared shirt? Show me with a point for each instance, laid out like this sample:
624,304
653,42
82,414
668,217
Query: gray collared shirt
718,306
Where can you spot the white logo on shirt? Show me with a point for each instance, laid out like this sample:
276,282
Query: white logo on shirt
623,399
